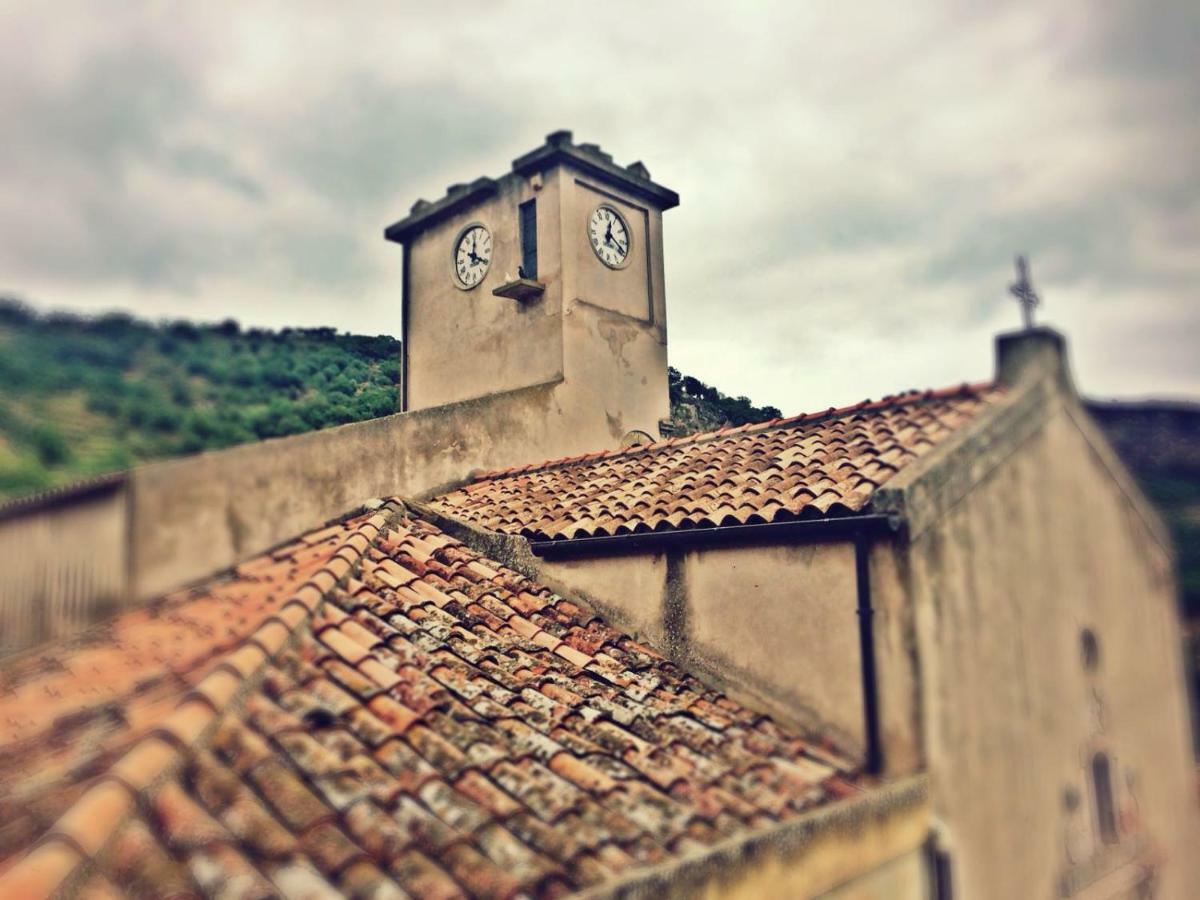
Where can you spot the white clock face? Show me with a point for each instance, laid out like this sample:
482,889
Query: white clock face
609,236
472,255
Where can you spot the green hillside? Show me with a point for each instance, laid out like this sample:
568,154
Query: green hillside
83,396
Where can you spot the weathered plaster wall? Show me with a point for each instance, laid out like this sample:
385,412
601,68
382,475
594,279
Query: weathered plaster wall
602,330
903,877
62,568
781,619
774,625
616,367
897,662
631,589
614,320
468,343
1017,547
627,290
193,516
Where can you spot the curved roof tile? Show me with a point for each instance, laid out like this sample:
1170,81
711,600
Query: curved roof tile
375,710
808,466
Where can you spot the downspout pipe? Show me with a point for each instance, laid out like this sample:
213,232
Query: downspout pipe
866,653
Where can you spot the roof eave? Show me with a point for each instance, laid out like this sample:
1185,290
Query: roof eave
836,528
424,214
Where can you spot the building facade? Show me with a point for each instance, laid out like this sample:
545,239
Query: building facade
920,647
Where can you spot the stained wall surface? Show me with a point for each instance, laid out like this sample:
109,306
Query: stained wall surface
773,624
1047,542
614,320
468,343
197,515
601,330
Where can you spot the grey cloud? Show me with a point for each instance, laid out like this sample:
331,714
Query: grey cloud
364,139
198,161
852,198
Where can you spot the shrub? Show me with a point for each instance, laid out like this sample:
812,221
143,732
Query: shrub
49,444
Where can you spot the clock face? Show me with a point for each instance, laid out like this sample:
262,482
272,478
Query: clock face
609,236
472,255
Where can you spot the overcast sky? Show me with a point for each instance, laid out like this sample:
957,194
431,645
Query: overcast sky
854,180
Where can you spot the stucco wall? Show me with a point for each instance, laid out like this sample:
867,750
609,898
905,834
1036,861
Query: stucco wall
782,619
897,661
626,290
614,321
904,877
1044,542
468,343
193,516
602,330
773,625
63,567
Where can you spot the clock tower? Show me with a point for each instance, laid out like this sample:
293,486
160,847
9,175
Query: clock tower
551,274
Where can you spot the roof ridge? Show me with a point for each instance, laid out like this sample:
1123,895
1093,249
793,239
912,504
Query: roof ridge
917,396
64,854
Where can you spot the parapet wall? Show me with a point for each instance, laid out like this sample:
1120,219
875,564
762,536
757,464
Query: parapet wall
170,523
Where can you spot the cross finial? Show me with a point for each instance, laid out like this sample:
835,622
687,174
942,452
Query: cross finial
1023,290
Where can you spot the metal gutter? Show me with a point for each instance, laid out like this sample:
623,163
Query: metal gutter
833,529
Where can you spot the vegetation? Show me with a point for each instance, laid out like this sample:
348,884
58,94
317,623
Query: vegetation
697,407
82,396
1160,443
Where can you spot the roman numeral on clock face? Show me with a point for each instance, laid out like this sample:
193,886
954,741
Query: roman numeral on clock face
609,236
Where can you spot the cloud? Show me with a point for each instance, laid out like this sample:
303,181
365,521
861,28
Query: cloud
855,180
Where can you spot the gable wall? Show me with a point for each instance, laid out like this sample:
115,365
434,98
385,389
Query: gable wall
1002,582
775,625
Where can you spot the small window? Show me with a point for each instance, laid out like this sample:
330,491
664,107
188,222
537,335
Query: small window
1106,817
1089,647
529,254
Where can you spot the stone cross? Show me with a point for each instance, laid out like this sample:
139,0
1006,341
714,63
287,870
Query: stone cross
1023,290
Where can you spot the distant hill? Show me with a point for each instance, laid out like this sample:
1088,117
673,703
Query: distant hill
1160,443
697,407
82,396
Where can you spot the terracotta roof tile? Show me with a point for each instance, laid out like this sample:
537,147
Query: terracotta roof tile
817,465
478,736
